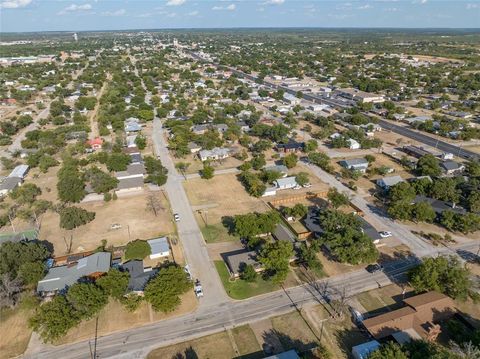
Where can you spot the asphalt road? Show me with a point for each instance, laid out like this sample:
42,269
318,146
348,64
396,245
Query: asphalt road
430,141
136,343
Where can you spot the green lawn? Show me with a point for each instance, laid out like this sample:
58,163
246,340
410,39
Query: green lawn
216,233
239,289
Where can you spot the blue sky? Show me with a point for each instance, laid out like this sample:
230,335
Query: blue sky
78,15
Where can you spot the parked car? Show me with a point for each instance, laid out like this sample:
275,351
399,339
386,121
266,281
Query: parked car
176,217
385,234
374,268
198,289
307,185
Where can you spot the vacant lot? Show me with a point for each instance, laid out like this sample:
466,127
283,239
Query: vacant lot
15,332
114,318
223,195
196,165
215,346
131,213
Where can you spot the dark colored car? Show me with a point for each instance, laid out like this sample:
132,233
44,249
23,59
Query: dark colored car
374,268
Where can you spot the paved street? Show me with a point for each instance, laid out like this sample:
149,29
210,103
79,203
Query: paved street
189,232
136,343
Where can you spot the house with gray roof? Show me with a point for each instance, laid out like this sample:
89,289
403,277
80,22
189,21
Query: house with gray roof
160,247
237,261
286,183
450,167
387,182
19,171
9,184
282,233
440,206
355,164
139,275
214,154
278,168
60,278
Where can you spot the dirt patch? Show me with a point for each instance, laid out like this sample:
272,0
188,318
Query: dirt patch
216,346
333,268
131,213
216,249
226,192
15,332
246,341
114,318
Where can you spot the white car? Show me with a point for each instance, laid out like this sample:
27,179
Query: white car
385,234
176,217
307,185
198,289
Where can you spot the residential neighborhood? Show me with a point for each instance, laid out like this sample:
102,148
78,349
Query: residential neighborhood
238,193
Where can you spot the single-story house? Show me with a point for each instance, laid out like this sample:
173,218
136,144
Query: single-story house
200,129
363,351
450,167
136,158
387,182
418,318
130,184
282,233
237,261
290,354
216,153
9,184
356,164
130,140
59,278
270,191
132,127
160,247
291,99
286,183
440,206
278,168
353,144
95,144
133,170
193,147
369,230
290,146
421,119
19,171
415,151
139,276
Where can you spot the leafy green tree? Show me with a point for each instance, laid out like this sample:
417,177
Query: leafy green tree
275,257
442,274
54,319
390,350
207,172
290,160
423,212
252,224
270,176
141,142
13,255
100,181
445,189
137,250
31,272
473,169
336,198
302,178
164,290
253,184
114,283
182,167
26,193
118,161
71,183
87,299
428,165
131,301
321,160
258,161
248,273
156,173
308,256
73,217
311,145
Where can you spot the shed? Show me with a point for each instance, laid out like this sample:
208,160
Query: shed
160,247
363,351
19,171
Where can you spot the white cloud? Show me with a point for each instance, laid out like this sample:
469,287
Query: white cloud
175,2
14,4
75,8
472,6
193,13
230,7
274,2
365,7
420,1
118,12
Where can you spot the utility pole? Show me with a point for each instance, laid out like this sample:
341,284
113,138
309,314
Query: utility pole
95,341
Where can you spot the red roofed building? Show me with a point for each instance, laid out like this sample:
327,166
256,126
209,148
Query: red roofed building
96,143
